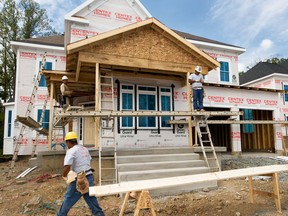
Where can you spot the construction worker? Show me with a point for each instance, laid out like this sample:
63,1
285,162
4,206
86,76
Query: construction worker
196,81
78,159
65,92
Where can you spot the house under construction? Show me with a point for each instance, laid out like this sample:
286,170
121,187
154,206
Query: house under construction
131,92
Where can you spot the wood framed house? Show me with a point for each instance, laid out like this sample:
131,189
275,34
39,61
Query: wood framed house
149,64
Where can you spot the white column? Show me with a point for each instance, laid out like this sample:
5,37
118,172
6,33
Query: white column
277,132
236,135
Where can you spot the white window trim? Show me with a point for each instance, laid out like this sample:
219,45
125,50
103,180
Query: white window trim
156,105
160,102
219,70
133,104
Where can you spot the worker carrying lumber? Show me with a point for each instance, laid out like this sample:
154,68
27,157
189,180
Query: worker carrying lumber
65,92
196,79
78,159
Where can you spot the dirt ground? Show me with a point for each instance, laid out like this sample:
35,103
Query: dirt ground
41,193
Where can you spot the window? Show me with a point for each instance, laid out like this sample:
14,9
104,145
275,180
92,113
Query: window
285,88
47,66
165,103
127,100
224,71
45,120
147,102
9,123
248,115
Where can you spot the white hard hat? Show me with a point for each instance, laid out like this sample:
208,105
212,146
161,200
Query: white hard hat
198,69
64,78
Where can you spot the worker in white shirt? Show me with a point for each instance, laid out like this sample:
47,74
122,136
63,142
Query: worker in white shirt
196,80
65,92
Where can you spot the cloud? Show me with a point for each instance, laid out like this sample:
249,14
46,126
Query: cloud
266,44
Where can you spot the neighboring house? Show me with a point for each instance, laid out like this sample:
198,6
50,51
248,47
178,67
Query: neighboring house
156,89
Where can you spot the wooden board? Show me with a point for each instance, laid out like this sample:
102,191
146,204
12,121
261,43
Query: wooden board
182,180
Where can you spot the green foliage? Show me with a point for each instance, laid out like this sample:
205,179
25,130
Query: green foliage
18,21
275,60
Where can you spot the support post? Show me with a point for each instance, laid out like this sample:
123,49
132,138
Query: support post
97,93
189,97
51,115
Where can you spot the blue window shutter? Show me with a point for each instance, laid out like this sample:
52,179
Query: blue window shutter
285,87
47,66
9,123
45,120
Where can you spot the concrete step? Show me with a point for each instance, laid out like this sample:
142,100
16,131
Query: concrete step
156,157
159,165
155,174
149,151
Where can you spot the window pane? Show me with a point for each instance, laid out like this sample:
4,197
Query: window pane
129,87
286,95
147,102
42,82
165,106
127,104
45,120
224,71
9,123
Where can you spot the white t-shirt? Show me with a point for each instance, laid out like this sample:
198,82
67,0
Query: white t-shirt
79,158
197,78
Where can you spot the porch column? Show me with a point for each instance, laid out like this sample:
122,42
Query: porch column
97,91
277,132
51,115
236,135
190,136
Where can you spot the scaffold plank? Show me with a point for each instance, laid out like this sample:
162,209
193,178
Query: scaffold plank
233,122
143,113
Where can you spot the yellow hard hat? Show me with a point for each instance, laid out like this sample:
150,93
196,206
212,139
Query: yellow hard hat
70,136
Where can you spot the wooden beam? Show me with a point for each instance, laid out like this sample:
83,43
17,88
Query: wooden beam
183,180
97,95
233,122
134,62
78,70
189,96
51,107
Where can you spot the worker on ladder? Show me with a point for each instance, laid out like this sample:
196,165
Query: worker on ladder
65,92
196,80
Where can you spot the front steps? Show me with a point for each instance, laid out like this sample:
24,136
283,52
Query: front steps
142,164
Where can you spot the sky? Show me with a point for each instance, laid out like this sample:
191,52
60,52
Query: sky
259,26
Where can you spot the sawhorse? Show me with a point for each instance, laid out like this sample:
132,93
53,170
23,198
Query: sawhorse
144,202
275,194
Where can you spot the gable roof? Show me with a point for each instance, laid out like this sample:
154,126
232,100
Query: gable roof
198,38
263,69
154,24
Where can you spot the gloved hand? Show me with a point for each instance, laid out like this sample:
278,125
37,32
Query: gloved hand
71,176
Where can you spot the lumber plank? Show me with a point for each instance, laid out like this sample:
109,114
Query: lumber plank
182,180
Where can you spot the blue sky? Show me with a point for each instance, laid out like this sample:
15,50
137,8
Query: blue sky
259,26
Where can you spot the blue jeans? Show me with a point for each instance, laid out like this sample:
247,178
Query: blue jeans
72,196
198,99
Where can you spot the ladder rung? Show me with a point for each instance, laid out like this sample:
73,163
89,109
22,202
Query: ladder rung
113,168
108,180
106,92
107,158
211,158
110,101
106,84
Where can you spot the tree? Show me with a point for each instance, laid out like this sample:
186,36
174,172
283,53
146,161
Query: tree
35,20
275,60
18,22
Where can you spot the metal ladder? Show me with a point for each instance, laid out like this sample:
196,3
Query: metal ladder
40,122
27,114
107,175
206,143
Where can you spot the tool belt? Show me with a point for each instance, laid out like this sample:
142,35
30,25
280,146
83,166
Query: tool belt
82,184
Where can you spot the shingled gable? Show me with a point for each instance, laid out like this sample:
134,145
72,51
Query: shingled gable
146,44
263,69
